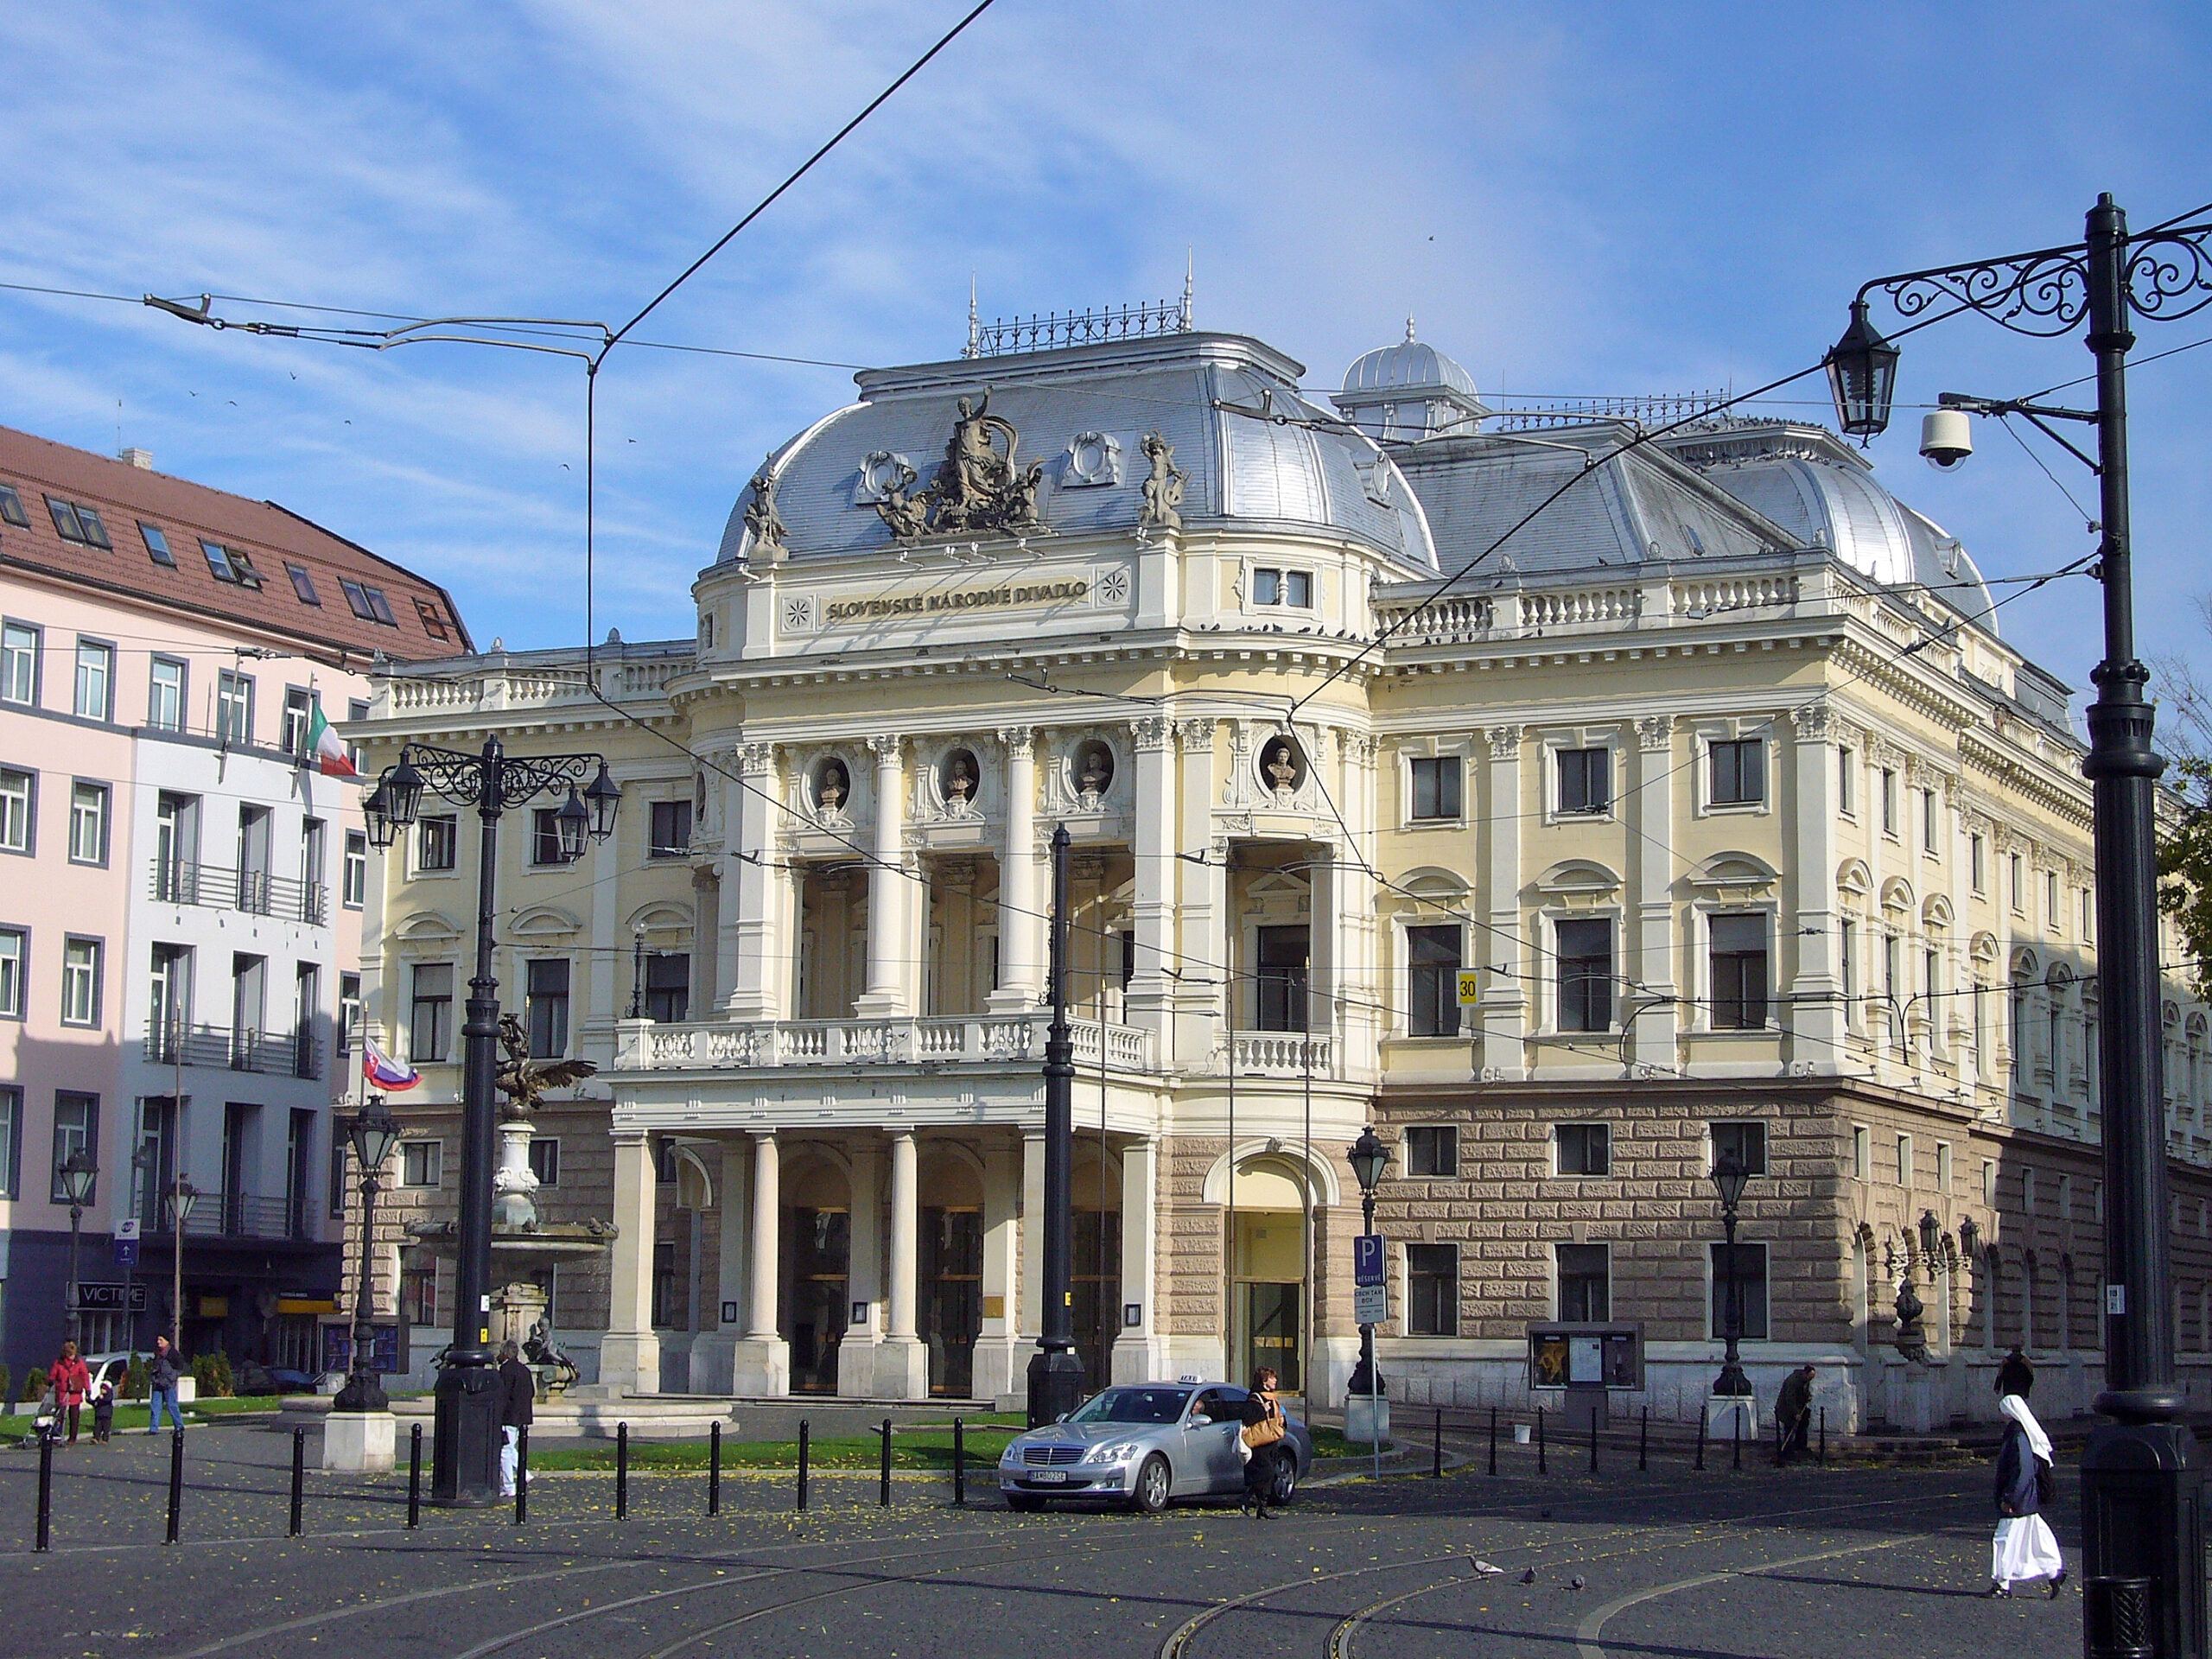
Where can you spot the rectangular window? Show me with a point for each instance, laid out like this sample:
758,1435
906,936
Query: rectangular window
1746,1141
165,696
1584,1149
1433,1152
672,830
2088,914
1930,823
545,837
65,520
2051,919
1432,1290
429,1024
437,838
76,1128
2019,884
1889,802
545,1160
95,680
1978,863
418,1288
356,875
1586,976
1862,1152
1277,587
15,960
548,1007
302,584
1586,780
157,544
1988,1184
219,560
1739,772
18,799
668,987
1944,1168
1586,1283
1434,960
1847,953
11,507
88,824
1843,804
432,623
357,711
19,643
357,598
1904,1162
349,1012
1436,786
233,708
11,1142
1739,973
299,713
421,1163
81,981
1750,1286
88,519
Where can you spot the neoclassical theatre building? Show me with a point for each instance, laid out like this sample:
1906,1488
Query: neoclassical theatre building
1717,775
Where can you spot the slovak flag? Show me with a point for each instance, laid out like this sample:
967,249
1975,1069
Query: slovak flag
324,749
384,1072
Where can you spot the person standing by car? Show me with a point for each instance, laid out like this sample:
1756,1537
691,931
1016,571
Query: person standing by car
161,1388
1262,1433
517,1399
71,1383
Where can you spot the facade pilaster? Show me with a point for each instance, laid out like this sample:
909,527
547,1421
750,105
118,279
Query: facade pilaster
762,1363
1815,1024
756,946
1202,956
1137,1354
1503,1010
629,1354
864,1283
902,1362
1153,916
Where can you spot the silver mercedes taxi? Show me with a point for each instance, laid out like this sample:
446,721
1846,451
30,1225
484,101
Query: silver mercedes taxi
1144,1443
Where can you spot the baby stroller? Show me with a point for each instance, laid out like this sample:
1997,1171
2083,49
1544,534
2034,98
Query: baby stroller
46,1423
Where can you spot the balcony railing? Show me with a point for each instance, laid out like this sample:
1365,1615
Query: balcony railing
272,1053
256,892
1275,1054
986,1038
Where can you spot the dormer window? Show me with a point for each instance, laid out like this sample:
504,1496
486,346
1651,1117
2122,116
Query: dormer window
11,507
1272,586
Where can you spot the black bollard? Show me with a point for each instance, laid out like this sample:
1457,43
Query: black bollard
1543,1467
1436,1450
714,1469
1701,1438
622,1471
959,1463
1593,1441
803,1438
883,1482
1493,1440
1824,1433
415,1476
176,1484
45,1490
1643,1442
299,1476
522,1476
1736,1416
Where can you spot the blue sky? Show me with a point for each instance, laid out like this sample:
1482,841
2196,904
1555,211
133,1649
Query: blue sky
1600,198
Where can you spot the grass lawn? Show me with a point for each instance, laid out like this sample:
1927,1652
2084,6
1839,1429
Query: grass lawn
919,1448
130,1415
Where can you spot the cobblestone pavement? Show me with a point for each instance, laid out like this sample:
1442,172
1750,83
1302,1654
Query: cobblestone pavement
1709,1565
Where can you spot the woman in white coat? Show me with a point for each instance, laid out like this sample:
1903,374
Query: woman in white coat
2024,1548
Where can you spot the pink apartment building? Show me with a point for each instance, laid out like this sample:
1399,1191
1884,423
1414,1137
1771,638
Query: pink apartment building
179,894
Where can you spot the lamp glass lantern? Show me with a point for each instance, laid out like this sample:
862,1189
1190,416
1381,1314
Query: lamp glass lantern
376,815
603,796
573,825
181,1198
79,1172
1728,1178
373,1131
403,786
1862,375
1368,1158
1931,1234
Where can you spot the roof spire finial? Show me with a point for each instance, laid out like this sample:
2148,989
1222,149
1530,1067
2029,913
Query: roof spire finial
1190,280
975,322
1409,331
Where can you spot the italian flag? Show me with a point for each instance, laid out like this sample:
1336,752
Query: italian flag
325,750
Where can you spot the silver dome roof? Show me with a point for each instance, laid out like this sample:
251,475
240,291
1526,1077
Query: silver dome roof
1410,365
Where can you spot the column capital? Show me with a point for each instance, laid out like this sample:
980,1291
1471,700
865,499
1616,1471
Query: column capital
1655,733
767,1136
1019,741
1152,732
898,1131
1195,733
1812,720
630,1137
889,748
1504,742
756,760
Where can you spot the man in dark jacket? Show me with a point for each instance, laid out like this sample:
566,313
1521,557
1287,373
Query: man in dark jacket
2016,1374
1793,1412
517,1395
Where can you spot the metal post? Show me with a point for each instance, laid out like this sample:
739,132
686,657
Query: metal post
1493,1440
1824,1433
959,1463
714,1469
883,1479
415,1475
1736,1416
1056,1374
176,1245
45,1492
74,1318
1643,1442
2142,1479
802,1437
1700,1438
1593,1441
299,1477
622,1471
522,1475
1543,1467
1731,1382
1436,1449
363,1392
176,1484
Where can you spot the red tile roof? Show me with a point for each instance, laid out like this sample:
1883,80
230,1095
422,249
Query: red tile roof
271,537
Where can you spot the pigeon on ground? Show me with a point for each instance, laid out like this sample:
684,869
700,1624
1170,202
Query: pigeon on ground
1484,1566
1574,1583
1528,1577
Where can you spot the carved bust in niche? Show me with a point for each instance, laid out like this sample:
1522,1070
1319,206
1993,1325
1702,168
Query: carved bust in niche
831,786
1094,771
1280,764
959,784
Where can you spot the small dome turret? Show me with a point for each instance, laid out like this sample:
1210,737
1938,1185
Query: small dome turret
1409,391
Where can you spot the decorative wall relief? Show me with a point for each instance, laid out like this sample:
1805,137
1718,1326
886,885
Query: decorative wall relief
1094,458
978,486
880,473
762,519
1163,485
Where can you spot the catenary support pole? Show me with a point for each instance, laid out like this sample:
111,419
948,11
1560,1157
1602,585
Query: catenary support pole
1593,1442
1701,1438
1736,1416
1056,1378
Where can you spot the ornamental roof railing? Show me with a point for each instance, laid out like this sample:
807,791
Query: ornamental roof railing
1004,335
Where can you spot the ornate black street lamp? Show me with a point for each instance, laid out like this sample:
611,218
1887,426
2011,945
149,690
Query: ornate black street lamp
1729,1176
373,1131
79,1172
1056,1373
466,1437
2142,1480
1369,1157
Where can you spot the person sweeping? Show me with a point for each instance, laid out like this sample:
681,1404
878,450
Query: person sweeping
2024,1548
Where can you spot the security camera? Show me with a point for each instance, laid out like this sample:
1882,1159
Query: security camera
1946,437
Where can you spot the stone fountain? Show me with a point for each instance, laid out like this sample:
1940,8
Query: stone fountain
521,1242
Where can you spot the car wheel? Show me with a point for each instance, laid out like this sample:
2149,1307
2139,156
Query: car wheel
1024,1502
1285,1482
1154,1480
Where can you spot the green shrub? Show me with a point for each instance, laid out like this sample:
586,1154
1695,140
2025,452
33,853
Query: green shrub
135,1385
212,1374
7,1382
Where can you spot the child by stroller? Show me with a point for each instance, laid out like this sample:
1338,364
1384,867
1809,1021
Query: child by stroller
104,1412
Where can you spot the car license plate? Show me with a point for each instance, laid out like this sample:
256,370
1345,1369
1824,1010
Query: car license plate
1050,1477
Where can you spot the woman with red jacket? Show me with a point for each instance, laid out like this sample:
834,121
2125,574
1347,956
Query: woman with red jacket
71,1382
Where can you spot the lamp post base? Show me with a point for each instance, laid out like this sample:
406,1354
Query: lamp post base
1056,1385
359,1442
1732,1381
2143,1518
465,1438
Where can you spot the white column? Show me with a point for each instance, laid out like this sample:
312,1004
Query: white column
714,1352
1504,1007
1150,989
887,884
762,1362
1021,926
1032,1305
903,1364
1357,1020
1649,955
856,1352
629,1354
756,950
999,1362
1201,952
1815,1021
1137,1356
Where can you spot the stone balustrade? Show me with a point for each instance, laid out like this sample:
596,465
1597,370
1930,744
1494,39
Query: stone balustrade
644,1045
